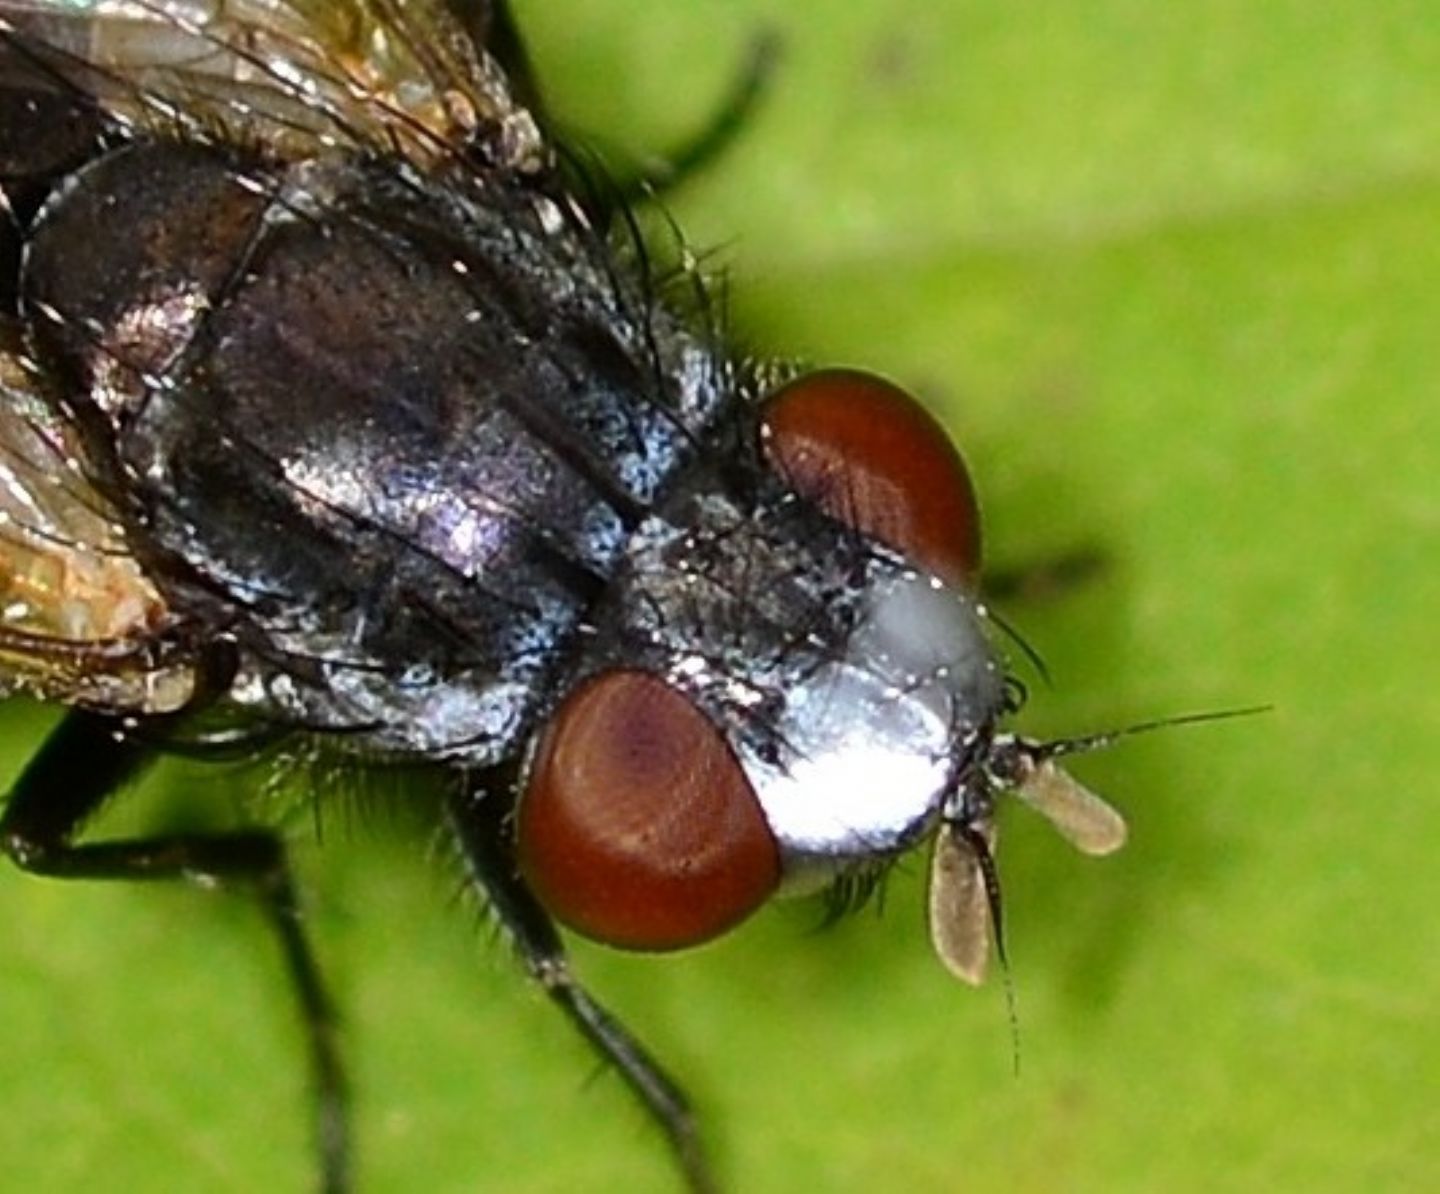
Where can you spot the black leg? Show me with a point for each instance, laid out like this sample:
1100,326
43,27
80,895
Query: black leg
491,22
479,821
83,762
710,141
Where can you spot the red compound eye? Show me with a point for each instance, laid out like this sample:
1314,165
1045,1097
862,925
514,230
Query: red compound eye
637,826
872,457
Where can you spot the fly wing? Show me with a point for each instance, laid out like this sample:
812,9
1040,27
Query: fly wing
396,75
960,905
79,621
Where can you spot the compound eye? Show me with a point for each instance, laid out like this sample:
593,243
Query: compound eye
637,826
872,457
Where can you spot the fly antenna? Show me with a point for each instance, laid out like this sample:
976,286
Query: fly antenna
975,840
1028,768
1060,747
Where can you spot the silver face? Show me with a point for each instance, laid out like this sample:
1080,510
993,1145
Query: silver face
876,737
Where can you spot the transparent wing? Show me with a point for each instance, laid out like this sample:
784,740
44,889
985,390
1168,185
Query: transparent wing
79,621
398,75
959,905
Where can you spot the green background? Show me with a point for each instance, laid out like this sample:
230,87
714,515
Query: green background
1172,274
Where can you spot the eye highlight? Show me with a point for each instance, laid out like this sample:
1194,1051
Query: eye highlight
637,826
871,456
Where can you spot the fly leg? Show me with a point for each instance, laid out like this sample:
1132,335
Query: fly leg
709,142
86,759
492,24
479,823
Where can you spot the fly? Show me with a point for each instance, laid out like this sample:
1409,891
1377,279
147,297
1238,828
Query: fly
333,408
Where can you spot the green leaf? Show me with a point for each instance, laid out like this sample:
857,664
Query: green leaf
1171,272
